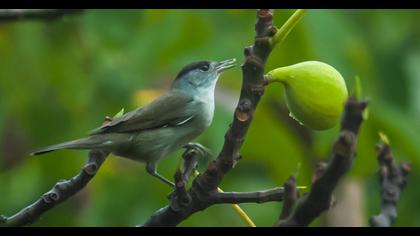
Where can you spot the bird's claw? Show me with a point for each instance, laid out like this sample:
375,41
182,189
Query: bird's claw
197,147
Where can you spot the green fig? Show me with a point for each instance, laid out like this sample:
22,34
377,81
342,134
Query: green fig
315,93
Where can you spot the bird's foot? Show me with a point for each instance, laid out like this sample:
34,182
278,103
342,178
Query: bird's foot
199,148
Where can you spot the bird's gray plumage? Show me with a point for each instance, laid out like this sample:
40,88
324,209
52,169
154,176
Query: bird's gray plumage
154,115
150,133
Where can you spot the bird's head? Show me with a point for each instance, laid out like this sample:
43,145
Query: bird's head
201,77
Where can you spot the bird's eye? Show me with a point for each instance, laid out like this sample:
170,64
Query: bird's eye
204,68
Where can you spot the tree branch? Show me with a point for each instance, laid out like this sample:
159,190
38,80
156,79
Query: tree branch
327,176
61,191
392,179
270,195
7,15
290,198
204,192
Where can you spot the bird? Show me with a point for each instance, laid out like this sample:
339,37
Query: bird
150,133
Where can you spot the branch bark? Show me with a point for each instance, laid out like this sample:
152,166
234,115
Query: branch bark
270,195
7,15
392,179
290,198
196,198
204,189
61,191
328,175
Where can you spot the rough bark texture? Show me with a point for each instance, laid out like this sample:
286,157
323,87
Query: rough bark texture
328,175
392,179
59,193
203,192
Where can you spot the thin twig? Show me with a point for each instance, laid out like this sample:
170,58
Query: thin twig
290,198
287,27
393,179
269,195
204,189
241,212
7,15
203,192
327,177
59,193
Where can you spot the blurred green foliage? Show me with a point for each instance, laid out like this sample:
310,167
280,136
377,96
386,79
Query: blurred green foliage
59,79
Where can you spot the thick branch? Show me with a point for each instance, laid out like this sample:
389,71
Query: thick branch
196,199
319,198
35,14
204,187
393,179
290,198
59,193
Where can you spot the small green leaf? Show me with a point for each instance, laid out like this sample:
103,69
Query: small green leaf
365,113
383,137
195,173
302,189
119,114
358,93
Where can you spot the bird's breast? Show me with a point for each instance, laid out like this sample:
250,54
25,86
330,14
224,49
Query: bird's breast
205,113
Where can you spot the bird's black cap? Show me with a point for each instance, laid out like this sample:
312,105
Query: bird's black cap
191,67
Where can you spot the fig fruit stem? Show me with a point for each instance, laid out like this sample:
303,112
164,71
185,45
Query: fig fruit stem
269,79
287,27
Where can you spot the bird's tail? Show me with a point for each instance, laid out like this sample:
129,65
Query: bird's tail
83,143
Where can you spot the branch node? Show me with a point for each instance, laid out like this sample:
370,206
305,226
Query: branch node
272,31
179,198
247,51
290,197
327,176
252,64
263,43
405,168
90,168
49,197
264,21
392,181
212,168
258,89
320,169
265,14
345,143
243,109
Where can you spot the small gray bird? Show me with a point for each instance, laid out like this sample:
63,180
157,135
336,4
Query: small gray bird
168,123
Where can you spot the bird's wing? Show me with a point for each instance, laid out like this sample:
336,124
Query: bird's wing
167,110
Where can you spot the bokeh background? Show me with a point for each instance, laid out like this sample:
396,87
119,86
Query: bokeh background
59,79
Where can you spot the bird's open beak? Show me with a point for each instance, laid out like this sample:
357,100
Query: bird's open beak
224,65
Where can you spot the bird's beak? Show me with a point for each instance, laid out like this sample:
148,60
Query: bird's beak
224,65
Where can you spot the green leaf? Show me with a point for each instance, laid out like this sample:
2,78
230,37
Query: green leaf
358,93
383,137
365,113
119,114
